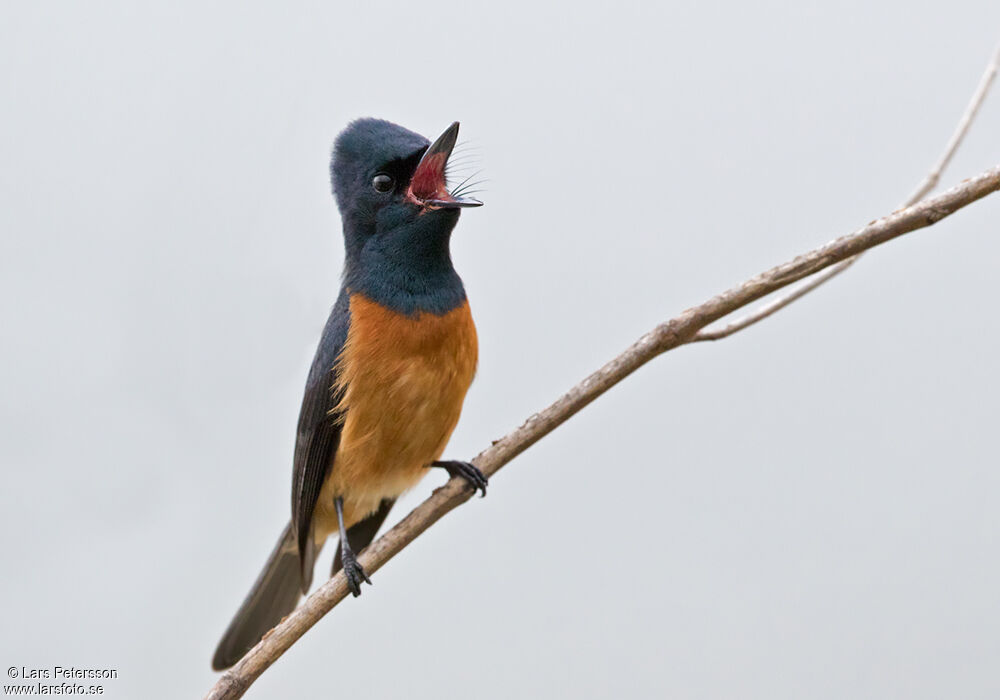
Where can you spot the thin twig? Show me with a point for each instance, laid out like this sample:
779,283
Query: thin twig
929,182
774,306
676,332
978,97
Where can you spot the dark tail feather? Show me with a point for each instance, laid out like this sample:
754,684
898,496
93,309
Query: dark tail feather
274,595
361,533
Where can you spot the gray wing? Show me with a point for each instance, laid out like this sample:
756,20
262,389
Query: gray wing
318,435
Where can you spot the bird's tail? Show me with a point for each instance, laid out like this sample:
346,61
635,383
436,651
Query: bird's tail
275,594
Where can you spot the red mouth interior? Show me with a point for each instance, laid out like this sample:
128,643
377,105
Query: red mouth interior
428,180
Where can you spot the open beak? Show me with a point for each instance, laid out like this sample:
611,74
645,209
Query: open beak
428,186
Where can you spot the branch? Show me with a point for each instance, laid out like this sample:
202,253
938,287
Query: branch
978,97
776,305
678,331
929,182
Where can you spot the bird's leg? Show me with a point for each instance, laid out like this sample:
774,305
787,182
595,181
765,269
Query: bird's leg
352,569
467,471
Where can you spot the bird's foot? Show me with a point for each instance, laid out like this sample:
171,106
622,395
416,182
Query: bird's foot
353,572
467,471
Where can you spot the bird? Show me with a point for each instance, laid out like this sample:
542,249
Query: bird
390,375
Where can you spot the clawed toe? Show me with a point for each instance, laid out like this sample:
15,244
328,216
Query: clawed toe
467,471
354,575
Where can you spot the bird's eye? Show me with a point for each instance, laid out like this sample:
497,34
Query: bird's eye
382,182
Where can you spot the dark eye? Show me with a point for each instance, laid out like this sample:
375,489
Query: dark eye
382,182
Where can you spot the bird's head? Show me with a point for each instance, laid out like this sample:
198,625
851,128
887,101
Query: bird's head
392,192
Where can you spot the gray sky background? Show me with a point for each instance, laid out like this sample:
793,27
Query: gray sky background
806,510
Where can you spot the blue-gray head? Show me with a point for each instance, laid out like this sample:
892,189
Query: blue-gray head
398,215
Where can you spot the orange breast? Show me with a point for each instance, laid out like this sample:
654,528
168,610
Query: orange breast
404,380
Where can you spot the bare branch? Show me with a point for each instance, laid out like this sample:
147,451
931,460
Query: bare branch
678,331
978,97
774,306
929,182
